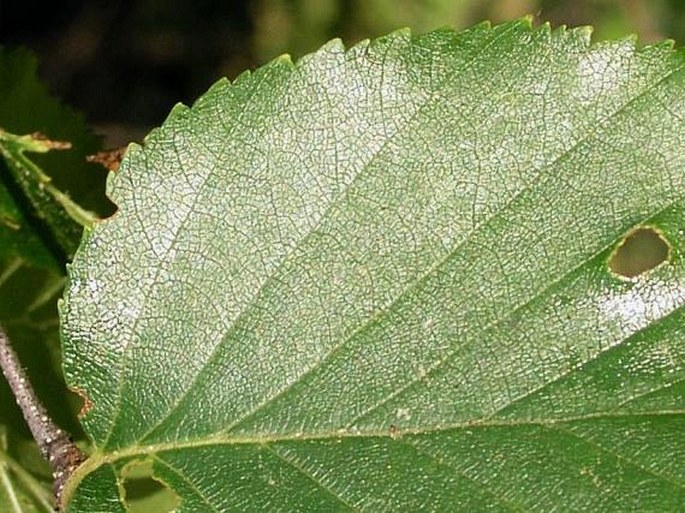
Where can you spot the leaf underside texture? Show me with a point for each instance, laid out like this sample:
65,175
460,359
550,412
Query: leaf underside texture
377,280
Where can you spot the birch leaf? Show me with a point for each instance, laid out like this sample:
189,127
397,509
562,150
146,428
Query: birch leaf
378,279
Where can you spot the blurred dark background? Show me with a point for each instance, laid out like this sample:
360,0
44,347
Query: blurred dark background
126,63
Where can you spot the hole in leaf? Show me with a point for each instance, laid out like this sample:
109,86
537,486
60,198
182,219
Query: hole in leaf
642,250
142,492
85,403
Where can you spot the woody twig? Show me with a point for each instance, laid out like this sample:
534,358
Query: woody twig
54,444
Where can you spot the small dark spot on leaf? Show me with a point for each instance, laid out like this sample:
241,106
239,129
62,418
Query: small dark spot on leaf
642,249
395,432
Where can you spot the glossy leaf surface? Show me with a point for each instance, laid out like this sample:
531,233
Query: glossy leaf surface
378,280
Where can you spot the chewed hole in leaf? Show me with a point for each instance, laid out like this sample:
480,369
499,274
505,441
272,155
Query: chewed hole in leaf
83,399
142,492
643,249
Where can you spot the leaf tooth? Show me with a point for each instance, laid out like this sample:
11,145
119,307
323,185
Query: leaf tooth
527,21
546,29
285,59
400,37
335,45
244,76
217,88
177,111
359,48
323,55
582,34
667,44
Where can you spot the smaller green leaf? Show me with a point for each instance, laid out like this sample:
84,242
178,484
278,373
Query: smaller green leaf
61,215
38,219
20,491
17,237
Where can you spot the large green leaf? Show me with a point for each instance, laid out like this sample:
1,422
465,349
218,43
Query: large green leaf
378,280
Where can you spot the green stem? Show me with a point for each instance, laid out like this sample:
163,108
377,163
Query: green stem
28,480
13,148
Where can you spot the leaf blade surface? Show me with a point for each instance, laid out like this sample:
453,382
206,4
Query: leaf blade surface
323,274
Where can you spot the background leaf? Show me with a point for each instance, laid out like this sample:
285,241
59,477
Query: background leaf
379,279
36,237
33,223
28,313
20,491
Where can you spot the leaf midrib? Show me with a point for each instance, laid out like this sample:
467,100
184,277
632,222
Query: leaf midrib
100,458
